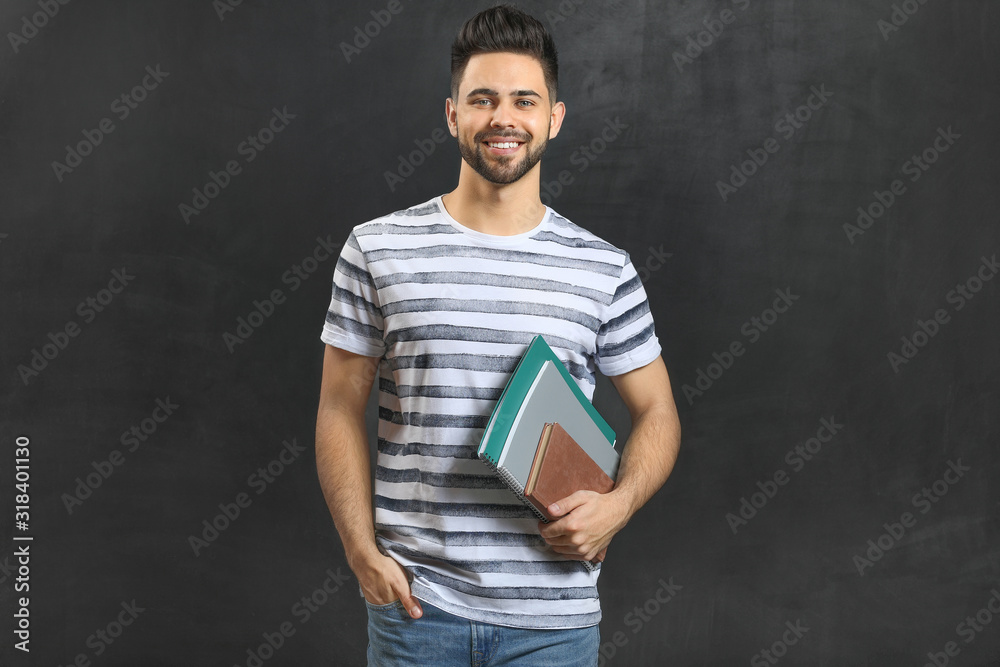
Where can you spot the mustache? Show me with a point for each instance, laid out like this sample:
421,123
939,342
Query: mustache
483,136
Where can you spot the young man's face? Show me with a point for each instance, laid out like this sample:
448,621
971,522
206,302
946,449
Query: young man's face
503,117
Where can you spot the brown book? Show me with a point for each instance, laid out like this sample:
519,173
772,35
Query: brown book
560,468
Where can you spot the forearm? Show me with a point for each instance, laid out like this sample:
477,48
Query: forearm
647,458
342,463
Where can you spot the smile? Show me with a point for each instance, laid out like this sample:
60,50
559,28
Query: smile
503,147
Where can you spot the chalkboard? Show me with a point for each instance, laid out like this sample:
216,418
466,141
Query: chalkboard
809,191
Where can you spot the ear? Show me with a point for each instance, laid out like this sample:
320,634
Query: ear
556,116
451,116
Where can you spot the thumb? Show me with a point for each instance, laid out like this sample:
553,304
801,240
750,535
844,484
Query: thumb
568,504
411,603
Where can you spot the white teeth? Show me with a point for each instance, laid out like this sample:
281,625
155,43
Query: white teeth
503,144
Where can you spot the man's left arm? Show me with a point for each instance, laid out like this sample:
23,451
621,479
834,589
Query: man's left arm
588,520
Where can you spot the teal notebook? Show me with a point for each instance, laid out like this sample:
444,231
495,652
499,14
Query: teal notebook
550,399
507,407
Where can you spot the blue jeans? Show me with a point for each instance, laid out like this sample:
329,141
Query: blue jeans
444,640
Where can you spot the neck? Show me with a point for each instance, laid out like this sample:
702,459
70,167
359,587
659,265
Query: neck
501,210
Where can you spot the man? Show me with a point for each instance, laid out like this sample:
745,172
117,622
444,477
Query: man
439,301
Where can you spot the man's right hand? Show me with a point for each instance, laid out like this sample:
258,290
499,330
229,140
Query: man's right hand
343,466
383,580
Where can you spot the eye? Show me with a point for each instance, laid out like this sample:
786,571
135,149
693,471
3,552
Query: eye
527,102
482,99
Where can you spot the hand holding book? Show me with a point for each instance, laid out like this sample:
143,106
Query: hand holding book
560,468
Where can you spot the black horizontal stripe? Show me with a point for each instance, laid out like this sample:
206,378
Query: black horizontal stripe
472,362
633,342
447,251
627,287
467,362
486,481
578,241
353,326
636,312
426,449
514,510
497,566
491,280
404,228
492,307
356,301
447,391
444,332
427,208
461,538
354,272
431,420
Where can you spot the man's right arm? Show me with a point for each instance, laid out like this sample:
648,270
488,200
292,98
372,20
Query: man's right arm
342,462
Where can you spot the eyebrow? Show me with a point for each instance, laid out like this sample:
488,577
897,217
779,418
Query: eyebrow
490,91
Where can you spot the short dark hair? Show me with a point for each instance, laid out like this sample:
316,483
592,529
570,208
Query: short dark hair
505,29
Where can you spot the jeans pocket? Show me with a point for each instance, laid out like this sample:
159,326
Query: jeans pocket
395,604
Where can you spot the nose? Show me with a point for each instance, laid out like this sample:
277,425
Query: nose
502,116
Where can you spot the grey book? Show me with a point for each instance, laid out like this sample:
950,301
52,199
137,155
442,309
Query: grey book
550,399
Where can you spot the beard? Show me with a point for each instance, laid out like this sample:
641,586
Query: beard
501,169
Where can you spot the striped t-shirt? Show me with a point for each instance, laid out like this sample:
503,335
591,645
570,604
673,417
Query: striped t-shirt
449,311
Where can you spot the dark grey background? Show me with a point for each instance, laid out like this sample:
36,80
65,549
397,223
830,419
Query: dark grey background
654,188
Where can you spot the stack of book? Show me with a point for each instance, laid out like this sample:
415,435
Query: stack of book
545,439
